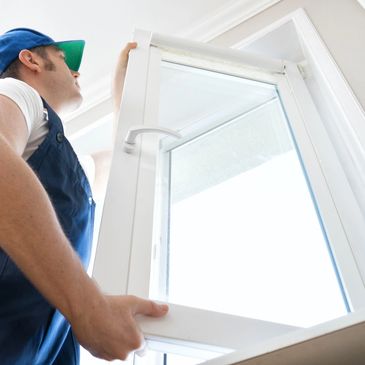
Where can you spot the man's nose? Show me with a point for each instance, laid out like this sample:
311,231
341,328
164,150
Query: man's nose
75,74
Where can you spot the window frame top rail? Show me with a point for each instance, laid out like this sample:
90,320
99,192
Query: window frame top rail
185,46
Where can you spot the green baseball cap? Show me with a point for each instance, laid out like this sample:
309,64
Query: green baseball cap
73,52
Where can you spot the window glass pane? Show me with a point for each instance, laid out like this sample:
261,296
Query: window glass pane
239,227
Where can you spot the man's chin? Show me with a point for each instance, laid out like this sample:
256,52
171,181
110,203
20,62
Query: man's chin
72,105
78,102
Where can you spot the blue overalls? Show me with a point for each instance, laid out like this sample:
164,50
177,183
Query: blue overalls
32,332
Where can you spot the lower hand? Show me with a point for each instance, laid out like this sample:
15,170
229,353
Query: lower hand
108,330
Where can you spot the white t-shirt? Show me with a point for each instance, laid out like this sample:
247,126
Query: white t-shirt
30,103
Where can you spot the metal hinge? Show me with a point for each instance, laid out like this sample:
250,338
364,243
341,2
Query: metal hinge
303,69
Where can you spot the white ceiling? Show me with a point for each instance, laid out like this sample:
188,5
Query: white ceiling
105,25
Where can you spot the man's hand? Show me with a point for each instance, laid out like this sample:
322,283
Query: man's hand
119,76
108,329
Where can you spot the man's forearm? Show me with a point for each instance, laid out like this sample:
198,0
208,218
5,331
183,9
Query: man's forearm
32,236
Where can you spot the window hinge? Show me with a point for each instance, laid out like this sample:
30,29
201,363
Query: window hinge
283,69
303,69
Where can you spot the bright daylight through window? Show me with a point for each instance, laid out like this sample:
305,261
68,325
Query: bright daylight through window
241,229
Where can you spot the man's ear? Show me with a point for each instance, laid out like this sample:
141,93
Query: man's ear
29,59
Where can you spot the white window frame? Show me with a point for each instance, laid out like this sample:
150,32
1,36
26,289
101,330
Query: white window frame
348,192
336,342
123,257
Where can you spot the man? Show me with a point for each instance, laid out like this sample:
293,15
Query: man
46,214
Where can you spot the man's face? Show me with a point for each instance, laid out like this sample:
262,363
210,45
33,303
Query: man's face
61,80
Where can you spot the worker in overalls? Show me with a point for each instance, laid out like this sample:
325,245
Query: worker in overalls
48,304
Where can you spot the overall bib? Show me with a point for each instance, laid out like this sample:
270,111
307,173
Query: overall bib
32,332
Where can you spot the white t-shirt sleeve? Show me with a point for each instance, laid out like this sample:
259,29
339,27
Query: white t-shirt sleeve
30,104
27,99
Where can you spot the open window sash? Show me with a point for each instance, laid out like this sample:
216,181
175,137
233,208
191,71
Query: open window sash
128,259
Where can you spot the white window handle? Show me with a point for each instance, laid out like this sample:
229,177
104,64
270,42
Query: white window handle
130,139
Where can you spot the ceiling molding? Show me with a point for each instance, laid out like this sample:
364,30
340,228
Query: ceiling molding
88,117
224,19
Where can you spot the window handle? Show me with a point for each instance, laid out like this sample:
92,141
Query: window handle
130,139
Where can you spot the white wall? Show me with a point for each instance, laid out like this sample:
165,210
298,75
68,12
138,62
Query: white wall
340,23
